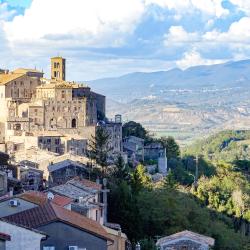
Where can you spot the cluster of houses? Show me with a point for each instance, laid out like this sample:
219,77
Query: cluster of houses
152,154
71,215
47,200
60,208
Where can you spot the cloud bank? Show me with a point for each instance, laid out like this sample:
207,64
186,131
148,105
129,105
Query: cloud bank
131,35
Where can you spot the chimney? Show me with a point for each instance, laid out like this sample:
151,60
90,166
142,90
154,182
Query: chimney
11,192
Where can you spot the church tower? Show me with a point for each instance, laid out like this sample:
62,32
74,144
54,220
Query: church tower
58,67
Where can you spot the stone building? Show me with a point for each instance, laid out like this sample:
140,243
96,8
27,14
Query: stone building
31,104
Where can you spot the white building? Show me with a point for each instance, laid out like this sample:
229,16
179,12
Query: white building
21,238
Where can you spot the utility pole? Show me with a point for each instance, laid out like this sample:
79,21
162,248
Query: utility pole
105,201
196,170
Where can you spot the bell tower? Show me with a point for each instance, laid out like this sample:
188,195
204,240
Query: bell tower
58,66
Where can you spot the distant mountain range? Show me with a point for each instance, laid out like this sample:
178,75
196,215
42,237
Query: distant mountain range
184,103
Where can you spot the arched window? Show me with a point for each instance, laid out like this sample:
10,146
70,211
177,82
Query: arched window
52,123
17,126
58,65
73,123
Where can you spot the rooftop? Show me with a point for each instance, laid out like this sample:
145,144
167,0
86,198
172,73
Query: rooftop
24,71
50,212
6,78
88,183
40,198
63,164
188,234
71,191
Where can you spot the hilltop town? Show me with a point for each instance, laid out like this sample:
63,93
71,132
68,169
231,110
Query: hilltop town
72,178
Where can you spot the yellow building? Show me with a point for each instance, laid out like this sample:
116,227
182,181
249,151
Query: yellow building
58,68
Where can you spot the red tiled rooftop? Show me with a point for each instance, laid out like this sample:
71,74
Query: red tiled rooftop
50,212
40,198
88,183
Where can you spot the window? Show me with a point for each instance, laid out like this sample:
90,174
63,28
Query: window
17,126
96,215
74,248
49,248
73,123
63,94
57,141
48,140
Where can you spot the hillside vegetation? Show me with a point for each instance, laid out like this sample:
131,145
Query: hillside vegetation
218,205
228,146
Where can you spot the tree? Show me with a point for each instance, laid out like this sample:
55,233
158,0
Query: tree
139,179
134,129
169,181
121,171
100,149
172,148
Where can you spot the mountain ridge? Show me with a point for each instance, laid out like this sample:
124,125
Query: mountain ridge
193,102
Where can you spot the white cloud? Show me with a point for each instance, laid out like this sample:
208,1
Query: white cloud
194,58
4,12
78,22
238,33
243,5
211,7
177,35
208,7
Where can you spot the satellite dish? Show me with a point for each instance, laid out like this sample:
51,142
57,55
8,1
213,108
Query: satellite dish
50,196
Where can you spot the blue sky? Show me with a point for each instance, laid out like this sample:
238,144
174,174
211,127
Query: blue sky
102,38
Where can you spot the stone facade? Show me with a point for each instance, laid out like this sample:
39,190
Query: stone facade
58,68
31,104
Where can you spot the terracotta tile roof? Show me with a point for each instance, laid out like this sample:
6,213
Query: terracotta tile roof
34,197
6,78
50,212
61,200
187,234
88,183
4,236
40,198
24,71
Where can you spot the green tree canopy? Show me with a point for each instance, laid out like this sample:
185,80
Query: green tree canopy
172,148
134,129
100,149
